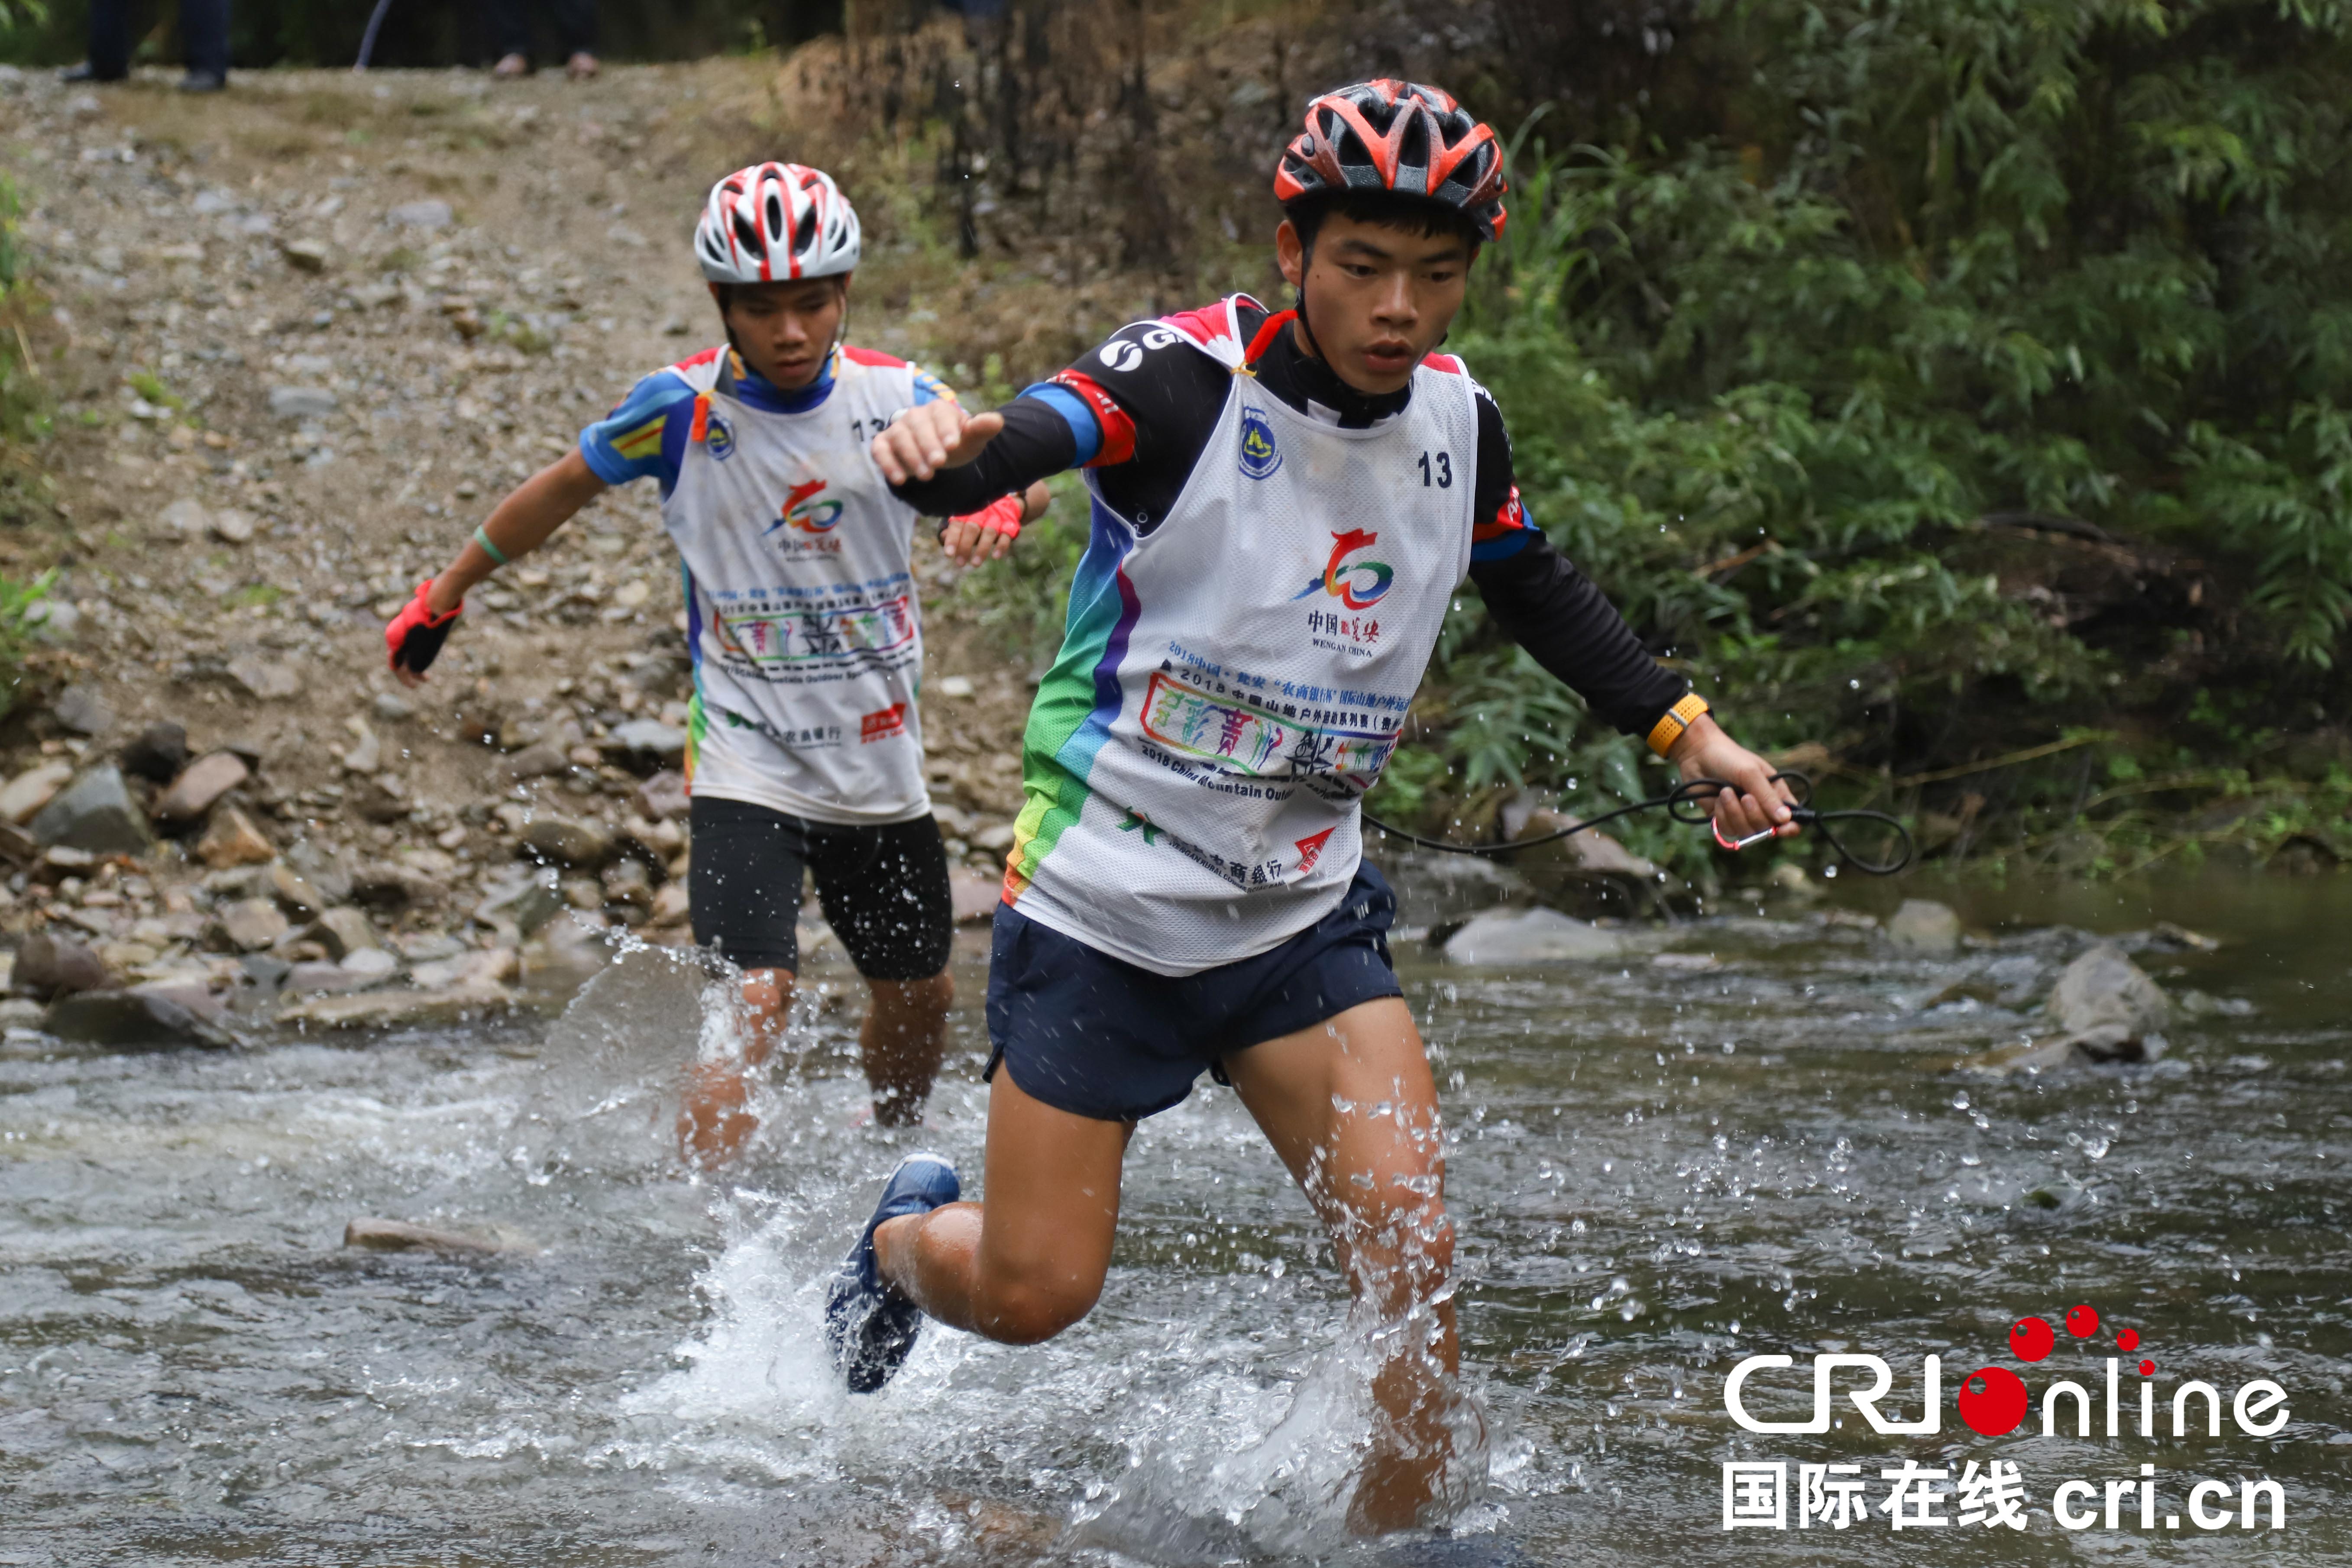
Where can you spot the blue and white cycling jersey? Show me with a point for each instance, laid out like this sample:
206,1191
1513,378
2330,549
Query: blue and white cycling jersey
802,621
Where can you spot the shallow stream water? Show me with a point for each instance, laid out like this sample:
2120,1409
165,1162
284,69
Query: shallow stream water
1743,1138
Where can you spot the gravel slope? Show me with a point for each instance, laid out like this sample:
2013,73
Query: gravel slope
308,332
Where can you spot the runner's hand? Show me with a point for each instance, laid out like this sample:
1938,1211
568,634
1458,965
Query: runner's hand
988,534
932,437
416,635
1754,803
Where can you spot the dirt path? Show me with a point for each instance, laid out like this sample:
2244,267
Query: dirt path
312,329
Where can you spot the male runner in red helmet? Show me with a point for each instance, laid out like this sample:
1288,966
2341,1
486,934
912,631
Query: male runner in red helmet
1285,504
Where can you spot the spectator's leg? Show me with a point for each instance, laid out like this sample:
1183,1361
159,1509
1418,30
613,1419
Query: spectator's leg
575,23
203,28
511,36
110,39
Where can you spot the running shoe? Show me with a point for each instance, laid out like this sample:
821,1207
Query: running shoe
870,1324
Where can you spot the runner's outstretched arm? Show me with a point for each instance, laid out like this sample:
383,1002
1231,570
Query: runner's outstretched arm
943,461
1554,611
522,522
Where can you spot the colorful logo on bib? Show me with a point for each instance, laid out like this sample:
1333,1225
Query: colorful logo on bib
718,437
1260,456
1357,585
805,511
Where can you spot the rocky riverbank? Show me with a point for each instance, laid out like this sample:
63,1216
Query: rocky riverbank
303,336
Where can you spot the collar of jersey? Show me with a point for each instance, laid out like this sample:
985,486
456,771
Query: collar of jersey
1311,387
756,391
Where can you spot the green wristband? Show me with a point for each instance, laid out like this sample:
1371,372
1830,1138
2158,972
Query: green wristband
495,554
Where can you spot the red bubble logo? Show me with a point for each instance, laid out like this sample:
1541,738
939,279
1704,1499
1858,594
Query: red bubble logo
2128,1341
1992,1400
2029,1339
2081,1321
2147,1369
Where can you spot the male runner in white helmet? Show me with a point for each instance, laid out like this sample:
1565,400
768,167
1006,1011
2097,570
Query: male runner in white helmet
805,747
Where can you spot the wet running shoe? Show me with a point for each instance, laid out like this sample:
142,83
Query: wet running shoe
870,1324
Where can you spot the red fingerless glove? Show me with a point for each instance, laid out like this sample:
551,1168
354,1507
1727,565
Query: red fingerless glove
1002,515
416,635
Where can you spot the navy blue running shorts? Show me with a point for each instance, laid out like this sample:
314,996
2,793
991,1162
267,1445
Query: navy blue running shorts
1096,1036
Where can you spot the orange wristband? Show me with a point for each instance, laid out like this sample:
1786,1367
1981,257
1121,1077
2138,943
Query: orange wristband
1669,729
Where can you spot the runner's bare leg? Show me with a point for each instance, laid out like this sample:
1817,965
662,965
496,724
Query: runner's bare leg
1349,1107
1031,1261
902,1039
713,1119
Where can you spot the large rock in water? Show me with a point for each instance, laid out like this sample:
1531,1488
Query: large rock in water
1588,872
396,1009
95,813
399,1235
1436,892
1531,936
132,1020
2106,1009
2105,992
1925,926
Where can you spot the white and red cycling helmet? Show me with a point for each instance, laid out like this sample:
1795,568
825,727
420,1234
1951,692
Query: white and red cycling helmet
775,222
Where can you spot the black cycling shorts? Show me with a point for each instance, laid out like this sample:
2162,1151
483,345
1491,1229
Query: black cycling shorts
883,889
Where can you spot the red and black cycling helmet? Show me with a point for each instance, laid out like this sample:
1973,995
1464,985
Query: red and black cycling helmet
1398,137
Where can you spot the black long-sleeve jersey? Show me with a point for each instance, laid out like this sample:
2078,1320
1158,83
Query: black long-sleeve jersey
1140,416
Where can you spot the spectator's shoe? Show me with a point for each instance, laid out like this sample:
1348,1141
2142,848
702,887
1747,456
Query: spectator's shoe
203,81
869,1325
82,74
510,66
581,65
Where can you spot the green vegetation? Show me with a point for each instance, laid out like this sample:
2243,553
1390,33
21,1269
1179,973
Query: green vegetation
24,422
1968,378
23,401
24,604
1995,382
427,32
149,386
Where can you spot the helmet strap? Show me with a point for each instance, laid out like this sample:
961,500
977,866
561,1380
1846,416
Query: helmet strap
840,331
1306,264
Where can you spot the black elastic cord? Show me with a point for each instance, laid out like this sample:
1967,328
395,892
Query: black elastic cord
1689,794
